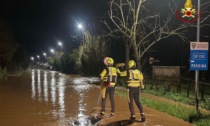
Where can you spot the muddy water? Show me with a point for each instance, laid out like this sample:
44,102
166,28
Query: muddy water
41,97
48,98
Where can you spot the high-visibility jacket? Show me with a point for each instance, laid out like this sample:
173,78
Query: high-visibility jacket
109,75
135,78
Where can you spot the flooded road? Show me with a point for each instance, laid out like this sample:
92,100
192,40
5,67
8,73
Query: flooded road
48,98
41,97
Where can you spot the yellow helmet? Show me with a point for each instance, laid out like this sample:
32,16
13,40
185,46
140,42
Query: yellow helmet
131,64
110,61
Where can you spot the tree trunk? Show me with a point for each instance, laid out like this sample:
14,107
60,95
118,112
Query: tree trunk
127,56
137,56
128,46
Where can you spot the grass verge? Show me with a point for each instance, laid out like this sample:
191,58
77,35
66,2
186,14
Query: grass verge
176,110
3,74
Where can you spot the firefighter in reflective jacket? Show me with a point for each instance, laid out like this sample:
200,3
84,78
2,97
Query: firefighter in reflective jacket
108,81
135,83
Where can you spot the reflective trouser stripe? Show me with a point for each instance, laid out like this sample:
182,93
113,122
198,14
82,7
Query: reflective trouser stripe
133,84
128,95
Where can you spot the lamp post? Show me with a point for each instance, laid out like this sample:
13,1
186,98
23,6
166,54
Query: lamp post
45,55
32,59
81,27
52,51
60,44
38,57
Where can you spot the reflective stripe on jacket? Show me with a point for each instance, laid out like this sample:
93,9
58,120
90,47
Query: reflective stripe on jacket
135,78
109,75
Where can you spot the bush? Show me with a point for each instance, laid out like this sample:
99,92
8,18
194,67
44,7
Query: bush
3,74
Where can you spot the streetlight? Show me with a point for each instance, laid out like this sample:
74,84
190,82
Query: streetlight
32,58
80,26
38,58
60,44
52,51
45,55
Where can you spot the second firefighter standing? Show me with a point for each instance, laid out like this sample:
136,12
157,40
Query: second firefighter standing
134,85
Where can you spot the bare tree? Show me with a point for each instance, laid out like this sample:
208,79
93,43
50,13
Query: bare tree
143,26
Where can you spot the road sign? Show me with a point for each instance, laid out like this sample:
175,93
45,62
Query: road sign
199,55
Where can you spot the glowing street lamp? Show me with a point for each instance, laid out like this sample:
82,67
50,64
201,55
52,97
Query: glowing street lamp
80,26
32,58
52,51
60,44
44,54
38,57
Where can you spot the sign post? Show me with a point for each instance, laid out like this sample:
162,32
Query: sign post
197,72
198,61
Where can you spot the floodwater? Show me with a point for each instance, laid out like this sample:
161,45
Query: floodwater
48,98
40,97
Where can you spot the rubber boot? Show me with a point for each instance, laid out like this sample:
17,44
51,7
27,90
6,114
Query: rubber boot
142,117
102,113
111,114
132,118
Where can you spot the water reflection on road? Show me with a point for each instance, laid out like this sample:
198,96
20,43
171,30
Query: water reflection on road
40,97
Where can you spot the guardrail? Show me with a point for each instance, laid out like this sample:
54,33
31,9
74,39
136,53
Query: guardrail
180,84
202,86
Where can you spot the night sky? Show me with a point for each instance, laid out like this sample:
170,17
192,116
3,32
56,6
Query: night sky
39,24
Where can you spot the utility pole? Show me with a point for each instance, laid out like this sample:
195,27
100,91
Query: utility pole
197,71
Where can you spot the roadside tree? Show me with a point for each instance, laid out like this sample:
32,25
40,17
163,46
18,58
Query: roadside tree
142,25
8,45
